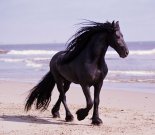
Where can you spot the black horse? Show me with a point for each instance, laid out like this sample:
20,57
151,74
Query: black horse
83,62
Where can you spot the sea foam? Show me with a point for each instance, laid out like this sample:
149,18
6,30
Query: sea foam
137,72
32,52
135,52
52,52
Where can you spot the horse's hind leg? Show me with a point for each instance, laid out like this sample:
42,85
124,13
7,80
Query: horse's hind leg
55,109
69,116
83,112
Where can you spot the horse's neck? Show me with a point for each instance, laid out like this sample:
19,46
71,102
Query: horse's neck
96,53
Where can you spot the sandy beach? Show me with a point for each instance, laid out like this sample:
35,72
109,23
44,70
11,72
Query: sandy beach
122,113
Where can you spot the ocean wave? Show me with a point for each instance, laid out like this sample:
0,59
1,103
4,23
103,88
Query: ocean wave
32,52
143,52
133,80
41,59
37,59
135,52
33,63
52,52
38,62
139,73
11,60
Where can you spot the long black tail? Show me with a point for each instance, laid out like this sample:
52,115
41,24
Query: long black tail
41,93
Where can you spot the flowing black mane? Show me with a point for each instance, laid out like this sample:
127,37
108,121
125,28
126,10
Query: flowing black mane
79,40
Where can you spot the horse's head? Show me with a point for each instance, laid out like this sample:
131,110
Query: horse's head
117,42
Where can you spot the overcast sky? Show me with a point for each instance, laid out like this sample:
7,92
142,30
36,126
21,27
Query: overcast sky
47,21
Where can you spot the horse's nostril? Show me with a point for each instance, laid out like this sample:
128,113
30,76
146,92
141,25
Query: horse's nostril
127,52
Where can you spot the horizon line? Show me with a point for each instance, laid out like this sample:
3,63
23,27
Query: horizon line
35,43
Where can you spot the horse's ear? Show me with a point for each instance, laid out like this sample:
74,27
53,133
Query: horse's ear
113,26
113,23
117,24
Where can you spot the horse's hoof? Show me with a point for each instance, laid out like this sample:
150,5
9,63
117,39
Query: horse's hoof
81,114
69,118
56,114
96,121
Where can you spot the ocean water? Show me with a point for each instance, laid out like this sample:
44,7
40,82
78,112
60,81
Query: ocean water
30,62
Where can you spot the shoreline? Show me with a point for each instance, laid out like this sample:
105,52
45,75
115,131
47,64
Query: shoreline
106,85
122,112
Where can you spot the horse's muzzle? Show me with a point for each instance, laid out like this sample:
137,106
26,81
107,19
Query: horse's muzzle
124,53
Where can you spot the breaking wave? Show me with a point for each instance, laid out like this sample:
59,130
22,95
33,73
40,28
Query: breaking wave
32,52
52,52
36,63
137,73
135,52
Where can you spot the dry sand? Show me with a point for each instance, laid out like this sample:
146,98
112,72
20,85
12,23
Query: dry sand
122,113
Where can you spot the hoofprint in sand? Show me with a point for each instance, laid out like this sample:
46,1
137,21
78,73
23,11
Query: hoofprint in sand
122,112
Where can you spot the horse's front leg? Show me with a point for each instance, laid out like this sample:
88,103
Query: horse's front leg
83,112
95,119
